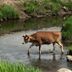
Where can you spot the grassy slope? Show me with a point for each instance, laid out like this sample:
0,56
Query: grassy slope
18,5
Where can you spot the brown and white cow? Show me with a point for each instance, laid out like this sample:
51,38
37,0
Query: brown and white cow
44,37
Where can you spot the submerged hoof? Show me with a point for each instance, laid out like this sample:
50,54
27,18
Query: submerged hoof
28,53
22,43
62,53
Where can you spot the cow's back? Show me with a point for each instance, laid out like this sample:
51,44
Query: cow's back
47,36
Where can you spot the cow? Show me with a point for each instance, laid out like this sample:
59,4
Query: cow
44,37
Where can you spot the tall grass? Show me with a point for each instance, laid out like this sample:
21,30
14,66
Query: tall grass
68,5
69,50
46,7
55,7
1,15
16,67
67,30
70,47
31,6
8,12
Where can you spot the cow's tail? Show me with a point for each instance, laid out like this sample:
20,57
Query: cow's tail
62,27
62,30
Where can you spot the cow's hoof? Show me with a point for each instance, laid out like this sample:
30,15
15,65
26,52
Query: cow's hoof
62,53
28,53
22,43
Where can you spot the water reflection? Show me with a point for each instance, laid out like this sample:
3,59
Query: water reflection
31,24
49,63
69,64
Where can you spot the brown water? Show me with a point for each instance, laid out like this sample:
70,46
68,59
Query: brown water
12,49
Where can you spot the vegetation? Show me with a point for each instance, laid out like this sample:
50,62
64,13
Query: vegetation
45,7
1,15
70,47
8,12
34,8
68,5
31,6
67,30
69,50
16,67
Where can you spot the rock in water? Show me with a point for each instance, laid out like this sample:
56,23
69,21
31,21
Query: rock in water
64,70
69,58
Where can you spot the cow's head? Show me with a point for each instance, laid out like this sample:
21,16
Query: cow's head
27,38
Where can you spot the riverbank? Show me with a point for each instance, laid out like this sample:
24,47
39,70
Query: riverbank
30,8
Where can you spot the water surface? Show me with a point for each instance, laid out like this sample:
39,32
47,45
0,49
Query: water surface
12,49
31,24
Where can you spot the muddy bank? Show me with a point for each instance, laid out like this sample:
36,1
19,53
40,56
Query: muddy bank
39,9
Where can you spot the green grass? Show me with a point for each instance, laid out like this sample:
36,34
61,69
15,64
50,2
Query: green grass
42,7
67,30
8,12
31,6
6,66
1,15
45,6
70,48
55,7
68,5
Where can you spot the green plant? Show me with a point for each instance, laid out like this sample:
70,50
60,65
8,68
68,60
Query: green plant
9,12
42,7
55,7
31,6
6,66
1,15
67,30
68,5
70,48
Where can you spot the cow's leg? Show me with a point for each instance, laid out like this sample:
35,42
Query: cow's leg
39,43
53,46
30,48
39,49
61,46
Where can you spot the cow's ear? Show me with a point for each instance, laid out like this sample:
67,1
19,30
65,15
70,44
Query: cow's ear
26,35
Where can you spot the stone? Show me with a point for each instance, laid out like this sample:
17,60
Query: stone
69,58
64,70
